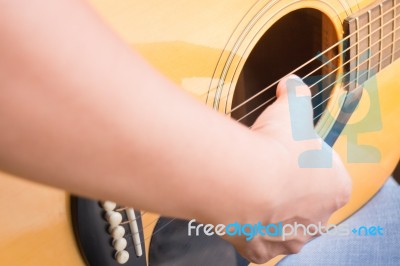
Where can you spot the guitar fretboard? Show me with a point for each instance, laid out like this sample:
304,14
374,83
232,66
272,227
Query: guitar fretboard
373,41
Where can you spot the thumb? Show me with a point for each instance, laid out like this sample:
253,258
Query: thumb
294,94
292,110
292,84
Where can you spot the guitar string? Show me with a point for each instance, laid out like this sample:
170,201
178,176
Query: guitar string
365,72
358,55
141,215
327,87
155,220
155,232
381,17
326,76
143,226
360,85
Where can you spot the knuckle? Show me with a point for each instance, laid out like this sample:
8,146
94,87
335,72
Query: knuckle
294,248
344,194
343,182
342,202
258,257
263,252
258,260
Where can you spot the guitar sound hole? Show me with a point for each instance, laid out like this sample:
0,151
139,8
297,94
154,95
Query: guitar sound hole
289,43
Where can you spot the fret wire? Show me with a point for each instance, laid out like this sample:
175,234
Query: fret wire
394,29
367,72
359,86
381,33
347,62
369,41
358,49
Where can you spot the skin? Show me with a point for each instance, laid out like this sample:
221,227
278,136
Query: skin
80,111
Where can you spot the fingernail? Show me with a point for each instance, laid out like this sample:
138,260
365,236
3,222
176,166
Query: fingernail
297,79
293,83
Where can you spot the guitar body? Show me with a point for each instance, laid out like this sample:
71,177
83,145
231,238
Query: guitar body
203,46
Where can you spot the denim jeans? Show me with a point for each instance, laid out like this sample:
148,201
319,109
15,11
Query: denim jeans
171,245
382,210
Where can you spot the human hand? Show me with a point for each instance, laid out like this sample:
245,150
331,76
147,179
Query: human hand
300,193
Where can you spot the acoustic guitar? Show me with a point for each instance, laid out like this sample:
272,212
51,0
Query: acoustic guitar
229,54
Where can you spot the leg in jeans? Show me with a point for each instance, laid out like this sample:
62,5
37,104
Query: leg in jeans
382,210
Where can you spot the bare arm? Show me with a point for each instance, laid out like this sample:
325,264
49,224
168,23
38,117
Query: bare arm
80,111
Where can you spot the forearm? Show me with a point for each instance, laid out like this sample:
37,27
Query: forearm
80,111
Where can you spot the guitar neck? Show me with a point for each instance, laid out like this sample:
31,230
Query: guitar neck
371,41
